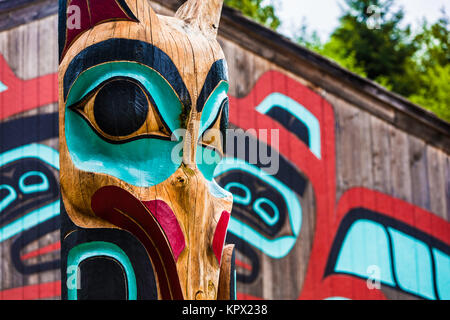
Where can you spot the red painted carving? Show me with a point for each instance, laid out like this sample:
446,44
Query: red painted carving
91,14
122,209
220,234
166,218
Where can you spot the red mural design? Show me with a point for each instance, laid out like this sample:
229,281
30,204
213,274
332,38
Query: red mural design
322,175
24,95
318,287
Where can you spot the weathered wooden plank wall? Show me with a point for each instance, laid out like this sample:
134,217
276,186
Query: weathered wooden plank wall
29,259
371,174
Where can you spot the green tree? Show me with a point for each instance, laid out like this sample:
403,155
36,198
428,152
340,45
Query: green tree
371,42
264,14
433,67
370,32
333,49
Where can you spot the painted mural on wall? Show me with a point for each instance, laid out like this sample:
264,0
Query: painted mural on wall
367,241
349,247
29,189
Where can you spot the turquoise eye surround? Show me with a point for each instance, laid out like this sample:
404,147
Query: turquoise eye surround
115,115
209,157
213,102
159,91
142,162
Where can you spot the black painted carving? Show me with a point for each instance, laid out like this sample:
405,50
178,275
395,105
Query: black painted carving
127,50
102,278
135,251
120,107
217,73
224,122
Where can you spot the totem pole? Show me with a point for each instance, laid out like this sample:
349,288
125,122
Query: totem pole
142,105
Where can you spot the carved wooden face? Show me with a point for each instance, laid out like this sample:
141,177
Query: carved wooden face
129,81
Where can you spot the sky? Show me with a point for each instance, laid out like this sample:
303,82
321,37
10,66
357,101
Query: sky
323,15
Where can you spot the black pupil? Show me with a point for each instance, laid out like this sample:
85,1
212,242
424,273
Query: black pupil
120,108
33,180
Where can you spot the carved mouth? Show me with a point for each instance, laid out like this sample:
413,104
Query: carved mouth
154,224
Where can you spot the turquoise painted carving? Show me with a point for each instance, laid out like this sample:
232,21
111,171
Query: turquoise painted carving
212,106
208,158
143,162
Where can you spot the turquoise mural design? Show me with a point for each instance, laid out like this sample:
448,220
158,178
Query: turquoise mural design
276,248
302,114
3,87
42,214
407,266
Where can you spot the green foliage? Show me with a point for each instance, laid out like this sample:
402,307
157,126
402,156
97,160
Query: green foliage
434,94
379,46
332,50
255,10
432,70
371,42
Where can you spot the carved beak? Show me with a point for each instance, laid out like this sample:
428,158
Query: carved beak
154,224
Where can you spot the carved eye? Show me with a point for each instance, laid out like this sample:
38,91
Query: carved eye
214,136
120,110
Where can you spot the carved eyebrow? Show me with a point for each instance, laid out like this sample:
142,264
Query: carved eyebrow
127,50
217,73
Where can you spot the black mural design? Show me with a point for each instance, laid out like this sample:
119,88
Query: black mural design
35,184
250,254
29,236
258,188
13,173
291,123
385,222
